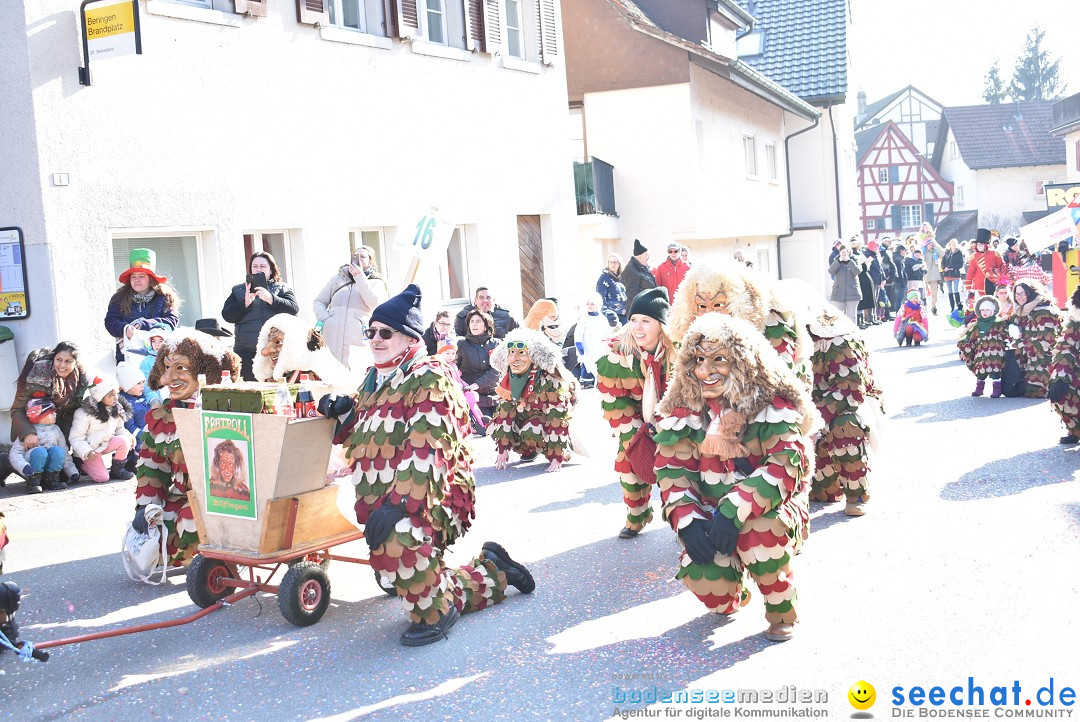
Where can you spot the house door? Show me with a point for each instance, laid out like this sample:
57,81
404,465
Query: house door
531,255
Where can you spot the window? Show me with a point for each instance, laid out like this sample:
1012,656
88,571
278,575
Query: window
770,160
762,264
178,259
515,42
367,16
750,44
952,150
883,175
910,216
434,21
750,153
456,283
1040,188
276,243
958,194
871,224
373,238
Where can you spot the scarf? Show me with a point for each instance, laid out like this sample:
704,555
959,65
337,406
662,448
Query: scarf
655,381
1030,305
722,436
518,383
984,324
141,299
384,371
505,389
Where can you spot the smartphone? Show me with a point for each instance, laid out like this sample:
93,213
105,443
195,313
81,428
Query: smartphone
257,280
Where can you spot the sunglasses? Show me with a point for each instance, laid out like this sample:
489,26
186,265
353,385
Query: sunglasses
517,345
384,333
673,250
552,326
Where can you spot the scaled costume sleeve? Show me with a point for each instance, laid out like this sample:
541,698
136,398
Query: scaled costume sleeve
1066,367
620,381
678,468
161,477
1038,336
784,339
539,420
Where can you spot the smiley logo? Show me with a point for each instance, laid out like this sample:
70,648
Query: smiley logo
862,695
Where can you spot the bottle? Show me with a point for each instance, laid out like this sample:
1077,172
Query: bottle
283,402
226,377
305,401
318,326
197,398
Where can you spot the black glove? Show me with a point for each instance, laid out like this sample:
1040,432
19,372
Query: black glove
695,539
333,406
723,534
1058,389
381,523
139,522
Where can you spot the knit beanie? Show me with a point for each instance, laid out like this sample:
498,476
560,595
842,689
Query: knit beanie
128,376
1010,242
100,387
37,409
652,303
638,248
402,312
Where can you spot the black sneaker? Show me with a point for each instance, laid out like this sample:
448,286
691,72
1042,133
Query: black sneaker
1069,440
420,633
628,533
516,574
530,457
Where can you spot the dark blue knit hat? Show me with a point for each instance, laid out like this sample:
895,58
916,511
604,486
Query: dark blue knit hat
652,303
402,312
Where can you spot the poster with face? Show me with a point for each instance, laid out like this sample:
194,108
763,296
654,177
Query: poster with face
229,460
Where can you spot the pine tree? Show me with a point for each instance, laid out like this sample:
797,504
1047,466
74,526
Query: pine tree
1036,74
994,92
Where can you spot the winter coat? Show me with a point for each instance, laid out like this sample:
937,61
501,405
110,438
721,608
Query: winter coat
915,268
41,381
636,277
344,305
888,268
431,340
900,263
613,293
504,322
952,265
249,320
933,254
845,280
592,332
139,406
95,424
474,362
985,266
49,435
866,286
670,275
142,317
876,274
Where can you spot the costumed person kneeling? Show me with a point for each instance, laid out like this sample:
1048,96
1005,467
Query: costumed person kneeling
733,448
536,397
632,379
1065,374
910,324
406,432
161,472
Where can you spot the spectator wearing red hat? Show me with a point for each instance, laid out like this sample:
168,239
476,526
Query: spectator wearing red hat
144,299
42,465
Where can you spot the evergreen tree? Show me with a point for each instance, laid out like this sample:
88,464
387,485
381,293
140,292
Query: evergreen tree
994,92
1036,74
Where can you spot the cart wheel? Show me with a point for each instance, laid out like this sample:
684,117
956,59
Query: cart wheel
207,580
388,588
304,594
316,557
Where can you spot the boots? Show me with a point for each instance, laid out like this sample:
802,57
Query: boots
119,471
50,481
419,634
33,483
516,574
980,385
996,393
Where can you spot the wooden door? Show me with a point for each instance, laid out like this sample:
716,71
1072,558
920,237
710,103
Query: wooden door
531,255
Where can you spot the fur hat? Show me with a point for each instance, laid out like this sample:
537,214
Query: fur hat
208,355
402,312
128,376
37,409
542,351
987,299
757,373
639,248
302,349
541,309
100,386
745,298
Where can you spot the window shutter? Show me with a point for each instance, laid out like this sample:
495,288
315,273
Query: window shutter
548,27
896,223
493,26
894,174
928,213
255,8
408,18
313,12
474,25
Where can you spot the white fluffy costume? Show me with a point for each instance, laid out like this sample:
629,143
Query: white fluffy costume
303,350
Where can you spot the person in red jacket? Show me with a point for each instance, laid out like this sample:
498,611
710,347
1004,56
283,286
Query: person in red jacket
986,267
671,272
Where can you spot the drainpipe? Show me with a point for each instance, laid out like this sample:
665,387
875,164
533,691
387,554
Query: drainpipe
836,174
787,170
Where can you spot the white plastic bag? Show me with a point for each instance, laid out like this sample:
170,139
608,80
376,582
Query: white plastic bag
144,554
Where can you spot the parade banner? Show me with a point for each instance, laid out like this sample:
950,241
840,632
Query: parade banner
1049,230
13,301
1059,195
425,235
229,460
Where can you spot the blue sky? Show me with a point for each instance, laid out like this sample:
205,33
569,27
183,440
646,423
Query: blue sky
945,47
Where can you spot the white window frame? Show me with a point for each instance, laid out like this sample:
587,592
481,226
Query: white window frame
1040,188
910,216
441,12
750,156
444,271
356,239
770,161
519,28
201,238
871,224
958,194
337,15
285,262
206,4
883,175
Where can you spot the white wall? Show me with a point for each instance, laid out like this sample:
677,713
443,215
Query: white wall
1072,156
956,171
224,129
1007,192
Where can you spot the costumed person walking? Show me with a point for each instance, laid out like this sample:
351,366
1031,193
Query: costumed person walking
985,268
405,430
982,347
637,277
910,324
161,472
536,399
144,300
1064,391
733,448
1039,321
632,379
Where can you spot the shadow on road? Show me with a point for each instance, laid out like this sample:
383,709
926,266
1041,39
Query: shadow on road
515,471
606,494
963,407
1006,477
931,367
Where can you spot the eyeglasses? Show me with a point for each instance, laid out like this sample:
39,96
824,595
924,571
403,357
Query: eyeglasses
442,324
384,333
674,250
517,345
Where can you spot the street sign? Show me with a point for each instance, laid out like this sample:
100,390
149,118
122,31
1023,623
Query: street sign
425,235
14,302
109,31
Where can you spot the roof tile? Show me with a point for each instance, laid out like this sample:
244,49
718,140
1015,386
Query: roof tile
1006,135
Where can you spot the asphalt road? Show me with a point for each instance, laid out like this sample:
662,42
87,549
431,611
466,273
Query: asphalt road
965,566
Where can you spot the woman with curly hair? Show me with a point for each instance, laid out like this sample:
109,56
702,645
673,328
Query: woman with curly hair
161,472
1039,320
143,301
474,357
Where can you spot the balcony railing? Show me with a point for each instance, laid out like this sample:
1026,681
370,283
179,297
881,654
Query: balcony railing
594,183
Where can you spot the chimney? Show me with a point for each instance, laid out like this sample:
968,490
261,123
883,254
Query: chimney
862,104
